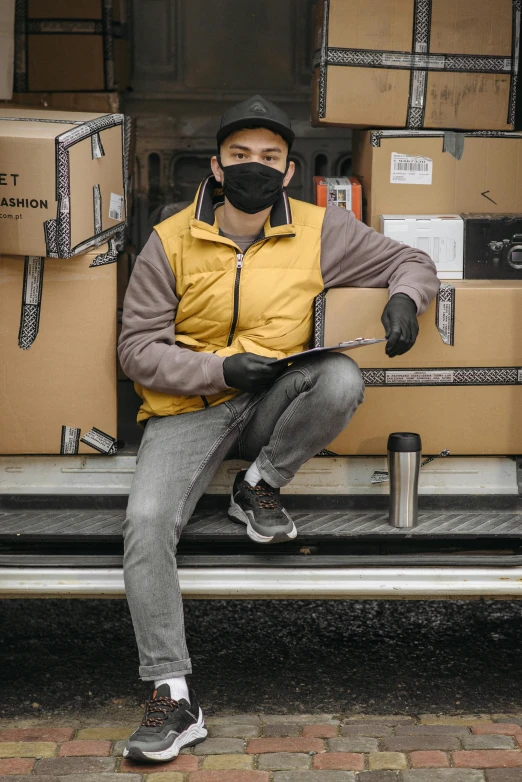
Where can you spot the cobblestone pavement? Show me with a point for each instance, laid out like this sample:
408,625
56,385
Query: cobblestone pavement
273,748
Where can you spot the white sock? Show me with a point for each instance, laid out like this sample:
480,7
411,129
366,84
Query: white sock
178,687
252,475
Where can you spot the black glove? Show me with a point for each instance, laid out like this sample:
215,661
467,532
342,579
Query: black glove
400,324
250,372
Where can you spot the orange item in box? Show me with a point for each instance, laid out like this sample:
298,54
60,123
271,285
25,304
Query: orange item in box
343,191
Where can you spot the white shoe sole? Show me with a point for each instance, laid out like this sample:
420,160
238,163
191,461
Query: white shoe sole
193,735
236,512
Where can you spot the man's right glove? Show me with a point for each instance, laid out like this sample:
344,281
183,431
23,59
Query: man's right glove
250,372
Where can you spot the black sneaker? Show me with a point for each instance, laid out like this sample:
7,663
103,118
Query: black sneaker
166,727
259,507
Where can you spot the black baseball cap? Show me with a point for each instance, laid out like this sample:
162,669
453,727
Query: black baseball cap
259,112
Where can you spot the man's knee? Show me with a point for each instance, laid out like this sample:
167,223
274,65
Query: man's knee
340,380
146,519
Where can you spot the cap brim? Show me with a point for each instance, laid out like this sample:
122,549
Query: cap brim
257,121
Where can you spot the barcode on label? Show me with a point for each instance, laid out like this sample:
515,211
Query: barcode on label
410,169
116,207
411,165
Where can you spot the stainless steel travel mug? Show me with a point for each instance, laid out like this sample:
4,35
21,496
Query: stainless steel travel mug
404,456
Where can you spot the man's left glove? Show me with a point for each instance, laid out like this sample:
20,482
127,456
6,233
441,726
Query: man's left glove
400,324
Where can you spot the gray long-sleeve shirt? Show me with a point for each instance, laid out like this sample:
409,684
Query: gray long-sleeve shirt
352,255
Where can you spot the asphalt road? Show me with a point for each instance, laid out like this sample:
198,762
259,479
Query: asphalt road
369,656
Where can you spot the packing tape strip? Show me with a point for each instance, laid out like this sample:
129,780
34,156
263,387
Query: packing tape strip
57,231
380,58
319,316
70,440
376,136
96,146
100,441
97,209
445,313
74,26
453,143
20,64
108,47
31,300
515,48
419,78
111,256
443,376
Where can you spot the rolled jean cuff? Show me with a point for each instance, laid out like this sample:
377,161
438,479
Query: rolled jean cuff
270,474
149,673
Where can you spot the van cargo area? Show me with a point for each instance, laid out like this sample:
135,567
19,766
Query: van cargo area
63,499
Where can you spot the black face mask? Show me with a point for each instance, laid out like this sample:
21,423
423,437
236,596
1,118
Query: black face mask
252,187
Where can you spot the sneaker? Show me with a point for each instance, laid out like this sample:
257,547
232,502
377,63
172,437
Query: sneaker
166,727
259,507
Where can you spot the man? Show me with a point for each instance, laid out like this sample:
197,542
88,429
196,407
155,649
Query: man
219,292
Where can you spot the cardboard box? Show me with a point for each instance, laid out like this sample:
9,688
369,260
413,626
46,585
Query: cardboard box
71,46
58,357
441,236
343,191
464,396
62,190
7,19
431,172
417,64
492,246
97,102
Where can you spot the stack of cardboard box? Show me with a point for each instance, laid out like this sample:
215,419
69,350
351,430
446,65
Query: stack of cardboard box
62,203
70,55
432,88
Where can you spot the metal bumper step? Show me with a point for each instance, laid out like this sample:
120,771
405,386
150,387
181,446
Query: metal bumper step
80,538
105,524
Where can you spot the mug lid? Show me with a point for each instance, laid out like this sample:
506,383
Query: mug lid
403,442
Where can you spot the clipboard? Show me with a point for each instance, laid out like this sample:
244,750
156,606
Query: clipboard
340,348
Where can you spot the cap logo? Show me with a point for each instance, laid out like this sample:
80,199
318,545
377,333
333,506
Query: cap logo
258,108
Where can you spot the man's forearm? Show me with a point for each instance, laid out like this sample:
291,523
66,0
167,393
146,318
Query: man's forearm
352,254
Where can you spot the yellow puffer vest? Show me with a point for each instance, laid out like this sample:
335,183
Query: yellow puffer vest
261,302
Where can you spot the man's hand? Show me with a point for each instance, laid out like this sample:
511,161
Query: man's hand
250,372
400,324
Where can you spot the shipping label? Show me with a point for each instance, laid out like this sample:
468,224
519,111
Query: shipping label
33,280
100,441
116,207
97,209
410,169
445,315
418,60
70,440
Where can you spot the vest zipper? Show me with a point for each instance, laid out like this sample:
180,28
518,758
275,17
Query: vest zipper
239,266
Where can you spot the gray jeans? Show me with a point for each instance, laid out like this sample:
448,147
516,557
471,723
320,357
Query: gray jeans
301,413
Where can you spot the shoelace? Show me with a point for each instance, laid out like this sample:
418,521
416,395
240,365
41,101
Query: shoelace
161,705
266,496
